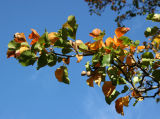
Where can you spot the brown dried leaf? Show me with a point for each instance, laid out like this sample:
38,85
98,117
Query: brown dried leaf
66,60
119,106
108,88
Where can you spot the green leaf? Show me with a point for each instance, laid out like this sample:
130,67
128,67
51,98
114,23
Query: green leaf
106,60
65,76
154,17
12,45
137,42
66,50
44,41
27,58
135,103
112,97
42,60
37,47
25,44
156,74
96,58
125,89
88,67
82,47
126,40
151,31
51,59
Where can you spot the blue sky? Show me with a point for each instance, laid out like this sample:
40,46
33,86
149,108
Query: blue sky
26,93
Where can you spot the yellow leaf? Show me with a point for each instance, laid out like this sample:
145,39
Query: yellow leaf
121,31
108,88
52,37
79,58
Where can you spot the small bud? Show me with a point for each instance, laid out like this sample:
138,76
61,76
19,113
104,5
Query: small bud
83,73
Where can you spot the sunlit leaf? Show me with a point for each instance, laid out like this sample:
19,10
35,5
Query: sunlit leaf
79,58
121,31
34,35
19,37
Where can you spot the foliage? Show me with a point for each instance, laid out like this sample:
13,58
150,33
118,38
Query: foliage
133,69
125,9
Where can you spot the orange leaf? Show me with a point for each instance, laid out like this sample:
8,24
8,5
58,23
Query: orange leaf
96,32
108,41
108,88
79,58
34,35
119,43
59,74
121,31
140,48
96,45
52,37
66,60
132,49
19,37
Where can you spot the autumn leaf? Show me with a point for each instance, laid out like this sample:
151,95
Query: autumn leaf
129,60
34,35
137,95
79,58
94,78
119,104
140,48
108,88
19,37
62,74
11,53
96,45
66,60
109,41
132,49
52,37
96,32
125,101
21,50
121,31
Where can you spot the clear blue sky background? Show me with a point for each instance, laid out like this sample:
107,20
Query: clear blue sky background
26,93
